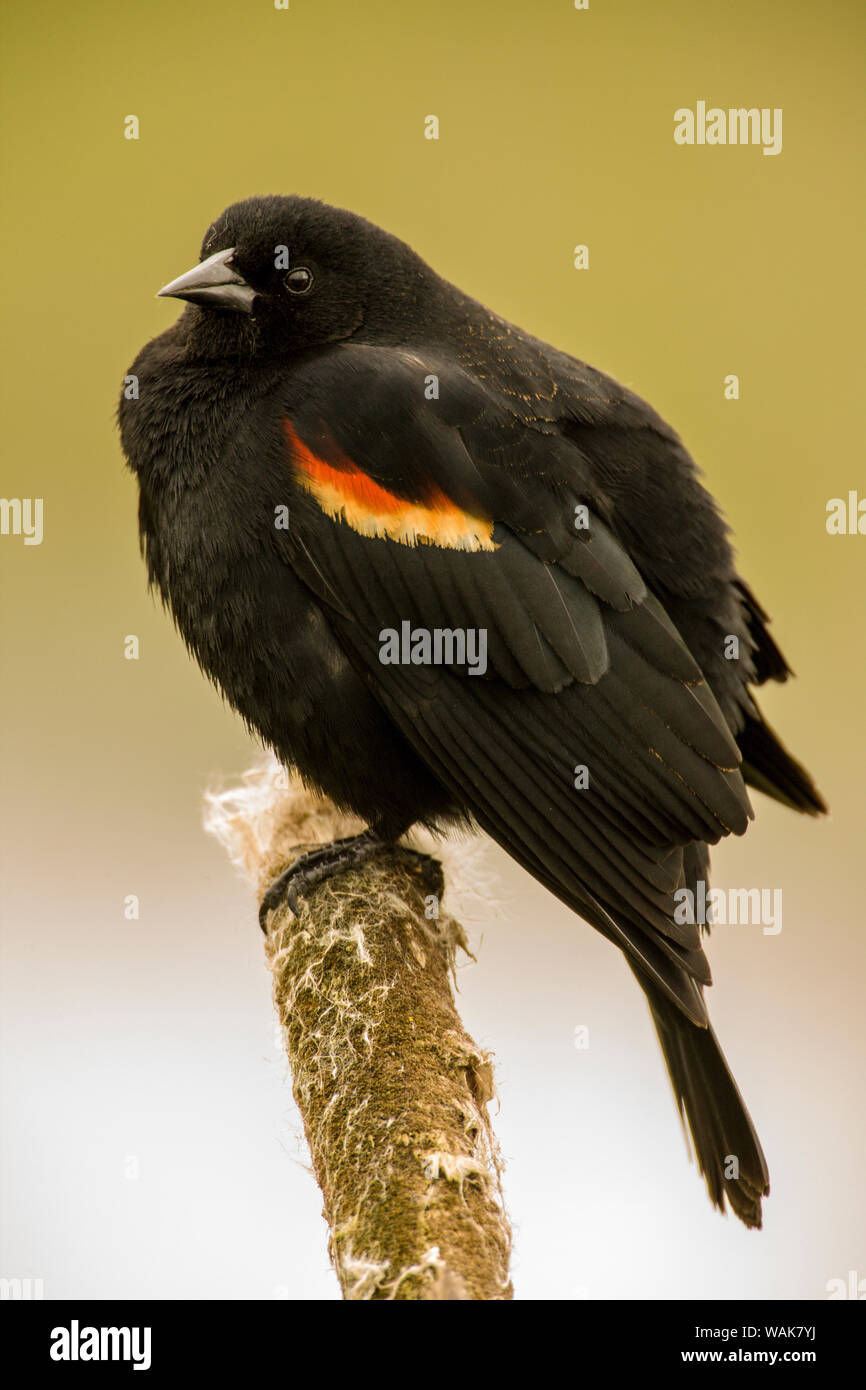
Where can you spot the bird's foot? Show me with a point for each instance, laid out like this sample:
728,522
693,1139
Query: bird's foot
338,857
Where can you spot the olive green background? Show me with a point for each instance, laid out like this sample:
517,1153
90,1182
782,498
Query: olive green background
154,1040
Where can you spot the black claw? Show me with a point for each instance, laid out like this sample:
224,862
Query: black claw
312,868
274,895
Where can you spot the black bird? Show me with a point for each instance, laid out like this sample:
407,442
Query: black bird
453,575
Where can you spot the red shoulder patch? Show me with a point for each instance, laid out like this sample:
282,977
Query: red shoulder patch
346,493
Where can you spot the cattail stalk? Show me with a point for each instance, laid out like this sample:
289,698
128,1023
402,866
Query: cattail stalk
392,1090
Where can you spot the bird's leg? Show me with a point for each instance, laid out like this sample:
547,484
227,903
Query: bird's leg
337,857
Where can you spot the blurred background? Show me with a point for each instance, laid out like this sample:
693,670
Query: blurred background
151,1147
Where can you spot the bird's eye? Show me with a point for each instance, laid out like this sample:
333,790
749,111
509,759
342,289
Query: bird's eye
299,280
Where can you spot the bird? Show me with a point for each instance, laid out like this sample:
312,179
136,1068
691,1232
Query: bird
456,577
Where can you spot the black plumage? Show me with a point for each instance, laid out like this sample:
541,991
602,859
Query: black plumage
332,443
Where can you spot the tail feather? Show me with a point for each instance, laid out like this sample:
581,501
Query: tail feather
768,661
770,768
727,1149
767,764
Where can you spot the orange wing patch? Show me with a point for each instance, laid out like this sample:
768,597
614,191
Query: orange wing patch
348,494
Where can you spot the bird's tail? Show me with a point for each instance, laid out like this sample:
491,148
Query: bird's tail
727,1149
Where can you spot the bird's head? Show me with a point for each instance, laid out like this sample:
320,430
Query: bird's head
279,275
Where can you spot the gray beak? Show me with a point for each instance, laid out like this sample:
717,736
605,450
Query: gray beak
213,283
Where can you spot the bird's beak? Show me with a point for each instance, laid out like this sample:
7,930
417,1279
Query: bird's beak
213,283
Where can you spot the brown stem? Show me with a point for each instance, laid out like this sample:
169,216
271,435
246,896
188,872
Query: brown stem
392,1090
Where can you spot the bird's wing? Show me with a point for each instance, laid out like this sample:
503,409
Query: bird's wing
416,513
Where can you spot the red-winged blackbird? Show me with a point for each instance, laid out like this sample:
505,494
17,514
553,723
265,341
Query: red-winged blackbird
451,574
